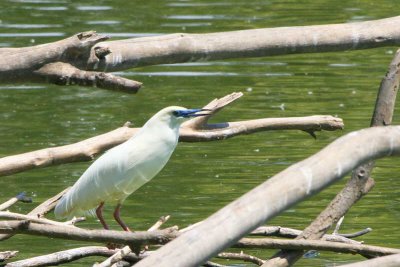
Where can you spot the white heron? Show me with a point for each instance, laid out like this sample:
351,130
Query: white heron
123,169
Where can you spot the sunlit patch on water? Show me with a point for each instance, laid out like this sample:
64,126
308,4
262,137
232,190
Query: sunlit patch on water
93,8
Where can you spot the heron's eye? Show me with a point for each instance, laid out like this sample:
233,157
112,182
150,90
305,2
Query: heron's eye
176,113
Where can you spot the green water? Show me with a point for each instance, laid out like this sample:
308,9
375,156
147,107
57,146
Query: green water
200,177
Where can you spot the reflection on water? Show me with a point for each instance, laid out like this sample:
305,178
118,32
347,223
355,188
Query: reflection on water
200,177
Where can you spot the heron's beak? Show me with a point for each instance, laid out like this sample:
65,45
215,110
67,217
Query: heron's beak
197,112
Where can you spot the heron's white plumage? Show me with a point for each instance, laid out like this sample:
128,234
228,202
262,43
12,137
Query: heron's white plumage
126,167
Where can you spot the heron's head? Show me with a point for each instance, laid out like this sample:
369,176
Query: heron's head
175,115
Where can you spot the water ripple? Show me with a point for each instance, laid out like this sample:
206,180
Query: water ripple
33,34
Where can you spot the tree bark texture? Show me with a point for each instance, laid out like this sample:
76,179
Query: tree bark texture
85,57
182,47
386,261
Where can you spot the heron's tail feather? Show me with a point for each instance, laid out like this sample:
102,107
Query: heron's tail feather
62,209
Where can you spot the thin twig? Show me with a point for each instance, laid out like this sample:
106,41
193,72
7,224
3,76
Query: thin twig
240,256
293,233
160,222
16,216
356,234
20,197
116,257
337,227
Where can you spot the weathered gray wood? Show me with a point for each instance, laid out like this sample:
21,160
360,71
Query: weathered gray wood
70,255
301,180
360,183
87,51
75,233
386,261
183,47
197,131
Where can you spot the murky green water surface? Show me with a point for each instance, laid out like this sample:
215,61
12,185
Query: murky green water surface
200,177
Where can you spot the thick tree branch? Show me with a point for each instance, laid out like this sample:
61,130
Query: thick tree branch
191,132
75,233
360,183
86,51
182,47
228,225
386,261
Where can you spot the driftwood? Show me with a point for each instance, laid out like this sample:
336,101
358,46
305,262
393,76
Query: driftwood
365,250
78,59
386,261
70,255
5,255
228,225
195,130
294,233
73,233
360,183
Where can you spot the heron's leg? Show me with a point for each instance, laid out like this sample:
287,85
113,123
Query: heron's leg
99,213
118,219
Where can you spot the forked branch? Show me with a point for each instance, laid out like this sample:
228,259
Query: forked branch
193,131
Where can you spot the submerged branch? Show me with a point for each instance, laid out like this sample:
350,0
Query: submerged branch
297,244
189,132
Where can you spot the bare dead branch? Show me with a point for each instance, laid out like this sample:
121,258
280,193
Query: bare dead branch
87,149
5,255
26,59
40,210
17,216
116,257
61,73
357,234
280,192
360,183
297,244
293,233
72,255
161,221
387,261
240,256
183,47
20,197
75,233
